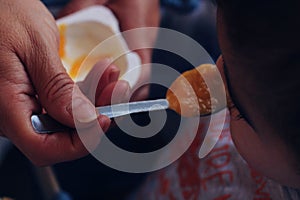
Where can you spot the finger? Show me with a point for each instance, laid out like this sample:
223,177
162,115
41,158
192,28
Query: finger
52,148
47,148
142,87
18,102
141,93
114,93
110,75
98,78
55,89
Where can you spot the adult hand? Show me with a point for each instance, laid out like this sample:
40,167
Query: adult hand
131,14
33,79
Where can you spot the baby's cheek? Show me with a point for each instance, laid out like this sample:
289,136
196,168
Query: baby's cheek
267,155
246,140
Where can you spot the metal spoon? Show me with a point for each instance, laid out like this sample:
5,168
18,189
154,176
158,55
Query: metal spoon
45,124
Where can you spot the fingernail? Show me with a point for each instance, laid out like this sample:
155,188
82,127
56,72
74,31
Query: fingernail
83,111
124,93
127,93
114,73
108,60
104,62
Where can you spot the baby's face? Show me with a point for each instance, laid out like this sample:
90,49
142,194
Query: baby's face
255,139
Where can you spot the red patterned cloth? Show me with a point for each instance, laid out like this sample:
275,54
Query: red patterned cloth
221,175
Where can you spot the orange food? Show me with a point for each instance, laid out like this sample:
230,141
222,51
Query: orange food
76,66
189,95
62,40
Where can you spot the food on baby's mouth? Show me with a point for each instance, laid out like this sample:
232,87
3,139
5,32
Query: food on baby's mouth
189,95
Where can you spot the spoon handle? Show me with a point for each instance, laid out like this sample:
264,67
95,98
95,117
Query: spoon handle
45,124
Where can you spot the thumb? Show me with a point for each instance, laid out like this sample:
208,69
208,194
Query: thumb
56,91
61,97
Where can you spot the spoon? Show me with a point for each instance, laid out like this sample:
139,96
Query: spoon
188,95
45,124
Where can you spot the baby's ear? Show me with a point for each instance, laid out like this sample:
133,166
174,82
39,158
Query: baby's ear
230,105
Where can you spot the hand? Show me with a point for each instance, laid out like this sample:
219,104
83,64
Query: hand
131,14
33,79
136,14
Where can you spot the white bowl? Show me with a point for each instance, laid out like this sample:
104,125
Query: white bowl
94,27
